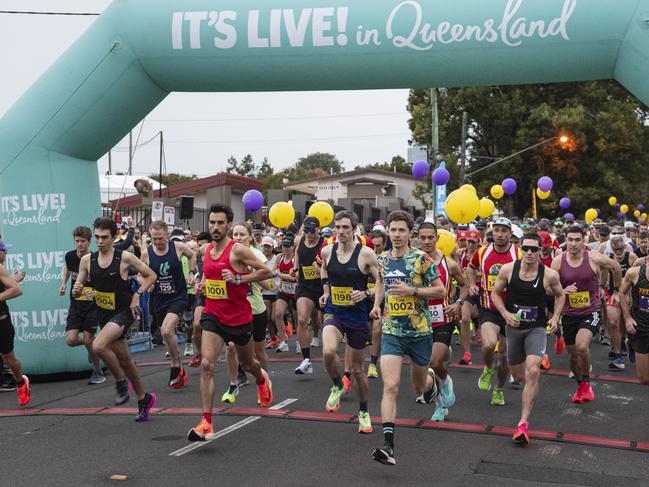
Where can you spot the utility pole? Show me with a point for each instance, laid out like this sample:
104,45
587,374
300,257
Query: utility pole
110,162
434,138
160,174
130,153
465,122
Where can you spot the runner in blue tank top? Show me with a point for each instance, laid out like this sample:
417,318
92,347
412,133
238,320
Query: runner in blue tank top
346,267
169,296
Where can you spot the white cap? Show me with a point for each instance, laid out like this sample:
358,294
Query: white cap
378,228
629,225
517,231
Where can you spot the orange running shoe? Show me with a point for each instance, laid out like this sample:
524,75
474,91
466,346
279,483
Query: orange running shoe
265,391
347,382
196,361
202,432
24,392
578,397
545,363
559,345
289,329
587,392
466,359
180,380
520,436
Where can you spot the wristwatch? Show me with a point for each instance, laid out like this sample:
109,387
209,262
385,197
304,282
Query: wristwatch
415,290
461,301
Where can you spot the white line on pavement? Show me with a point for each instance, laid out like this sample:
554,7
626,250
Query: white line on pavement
229,429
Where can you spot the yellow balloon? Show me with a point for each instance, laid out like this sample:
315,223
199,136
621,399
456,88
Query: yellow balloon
591,214
323,212
624,208
637,213
471,187
644,216
542,194
445,242
487,208
281,214
497,191
612,200
462,206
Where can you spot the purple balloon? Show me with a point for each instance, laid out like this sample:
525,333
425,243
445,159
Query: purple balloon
441,176
640,207
597,210
569,216
509,186
420,169
545,184
565,203
253,200
621,215
617,206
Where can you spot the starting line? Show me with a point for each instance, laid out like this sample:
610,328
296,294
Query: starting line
277,412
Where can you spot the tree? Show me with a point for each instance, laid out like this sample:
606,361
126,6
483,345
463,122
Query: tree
397,163
328,163
173,178
608,149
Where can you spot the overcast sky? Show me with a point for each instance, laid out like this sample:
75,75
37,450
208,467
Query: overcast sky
202,130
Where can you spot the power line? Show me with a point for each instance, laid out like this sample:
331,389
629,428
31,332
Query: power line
284,141
306,117
25,12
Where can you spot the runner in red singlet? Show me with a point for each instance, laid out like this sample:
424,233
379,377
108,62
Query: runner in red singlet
470,304
227,315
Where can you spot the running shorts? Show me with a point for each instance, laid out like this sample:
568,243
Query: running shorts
357,333
239,335
523,343
570,325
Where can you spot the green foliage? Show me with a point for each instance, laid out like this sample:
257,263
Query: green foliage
608,150
397,163
321,160
173,178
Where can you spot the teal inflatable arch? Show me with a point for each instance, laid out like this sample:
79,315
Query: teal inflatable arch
138,51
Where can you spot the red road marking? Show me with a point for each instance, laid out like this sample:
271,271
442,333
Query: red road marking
347,418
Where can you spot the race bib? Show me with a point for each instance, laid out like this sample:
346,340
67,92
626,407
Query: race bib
215,289
579,300
288,287
401,305
341,296
105,300
491,282
527,313
309,272
166,286
437,313
371,285
82,297
643,304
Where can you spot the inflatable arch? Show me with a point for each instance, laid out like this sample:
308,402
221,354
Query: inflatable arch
138,51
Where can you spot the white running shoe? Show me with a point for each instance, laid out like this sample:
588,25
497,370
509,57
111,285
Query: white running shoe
282,347
315,342
189,350
298,349
305,367
167,355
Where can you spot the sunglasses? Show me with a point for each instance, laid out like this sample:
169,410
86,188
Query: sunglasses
530,248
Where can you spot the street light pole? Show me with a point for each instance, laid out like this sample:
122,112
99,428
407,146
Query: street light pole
465,122
434,136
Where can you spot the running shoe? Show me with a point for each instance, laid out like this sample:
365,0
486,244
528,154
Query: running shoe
265,391
513,382
439,414
242,379
97,377
123,389
8,385
466,359
484,382
288,328
196,361
167,355
282,347
631,351
364,422
559,345
315,342
578,396
305,367
24,392
333,403
446,393
144,407
384,455
606,341
298,349
429,396
372,372
189,349
230,395
203,431
611,355
617,364
520,435
273,342
587,394
347,382
178,381
498,397
545,363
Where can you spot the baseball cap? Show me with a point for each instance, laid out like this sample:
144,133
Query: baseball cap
473,236
287,241
268,241
461,234
505,222
516,230
378,228
481,225
546,239
327,231
5,246
311,223
558,223
177,234
629,225
604,230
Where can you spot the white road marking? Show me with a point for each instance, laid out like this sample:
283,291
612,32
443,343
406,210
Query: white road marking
229,429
